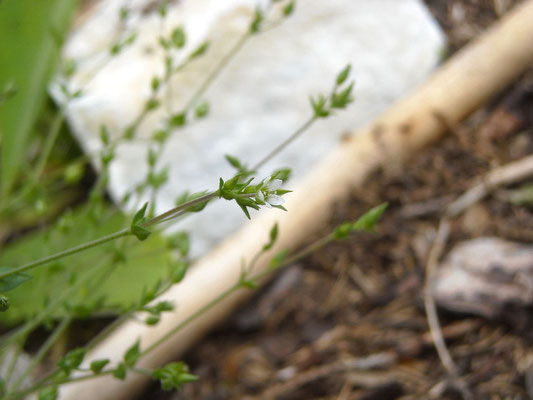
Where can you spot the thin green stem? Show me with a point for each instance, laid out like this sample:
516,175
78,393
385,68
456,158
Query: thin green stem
309,249
49,143
142,371
285,143
45,348
216,71
190,318
42,383
13,362
122,233
302,253
118,321
174,212
22,332
65,253
93,285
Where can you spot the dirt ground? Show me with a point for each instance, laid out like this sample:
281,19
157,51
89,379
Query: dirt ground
349,321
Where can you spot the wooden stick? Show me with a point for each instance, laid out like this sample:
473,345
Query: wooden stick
463,84
509,173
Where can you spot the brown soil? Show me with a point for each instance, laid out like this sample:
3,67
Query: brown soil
349,322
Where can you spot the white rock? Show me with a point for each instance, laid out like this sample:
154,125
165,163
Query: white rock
486,276
258,100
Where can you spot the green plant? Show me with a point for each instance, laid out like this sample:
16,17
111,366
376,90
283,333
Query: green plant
72,278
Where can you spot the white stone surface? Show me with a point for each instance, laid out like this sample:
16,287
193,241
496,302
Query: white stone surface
258,100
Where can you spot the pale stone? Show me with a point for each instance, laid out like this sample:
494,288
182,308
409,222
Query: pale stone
258,100
486,276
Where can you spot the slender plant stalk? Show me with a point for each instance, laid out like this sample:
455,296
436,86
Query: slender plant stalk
256,278
171,214
49,143
51,139
238,285
14,358
50,341
176,210
42,383
22,332
65,253
285,143
190,319
216,71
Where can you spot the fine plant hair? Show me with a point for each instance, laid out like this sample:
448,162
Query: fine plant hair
245,188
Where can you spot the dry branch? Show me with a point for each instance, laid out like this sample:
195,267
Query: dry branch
507,174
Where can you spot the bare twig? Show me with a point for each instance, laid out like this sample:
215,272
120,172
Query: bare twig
374,361
431,309
509,173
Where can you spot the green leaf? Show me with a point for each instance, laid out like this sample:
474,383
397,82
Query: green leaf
140,233
132,354
129,132
178,120
178,37
163,8
230,184
273,236
342,99
152,320
122,284
28,53
163,306
342,231
367,222
123,13
4,305
7,92
156,180
288,9
343,75
319,107
186,197
73,173
49,393
149,294
200,50
72,359
202,109
178,270
174,376
234,161
151,104
278,259
120,371
179,241
138,218
282,173
98,365
161,135
245,203
256,23
104,135
245,211
12,281
155,83
244,282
